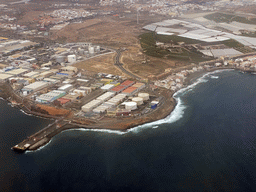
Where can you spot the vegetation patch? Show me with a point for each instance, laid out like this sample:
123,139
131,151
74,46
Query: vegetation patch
228,18
238,46
184,53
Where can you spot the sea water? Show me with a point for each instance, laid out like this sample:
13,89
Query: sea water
206,144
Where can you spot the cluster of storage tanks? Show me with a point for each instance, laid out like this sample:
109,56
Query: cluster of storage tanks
87,51
136,101
91,50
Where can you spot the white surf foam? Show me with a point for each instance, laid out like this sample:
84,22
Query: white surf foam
97,130
214,77
25,113
40,148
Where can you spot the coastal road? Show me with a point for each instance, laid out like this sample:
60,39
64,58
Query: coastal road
120,65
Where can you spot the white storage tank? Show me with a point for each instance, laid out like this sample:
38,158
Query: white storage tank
98,49
144,96
131,105
91,50
138,100
71,58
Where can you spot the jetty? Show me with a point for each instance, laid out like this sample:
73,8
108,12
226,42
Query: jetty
41,137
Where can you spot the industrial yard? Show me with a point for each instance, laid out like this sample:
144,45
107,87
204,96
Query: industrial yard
47,76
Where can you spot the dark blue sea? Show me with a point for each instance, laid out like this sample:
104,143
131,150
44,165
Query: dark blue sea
206,144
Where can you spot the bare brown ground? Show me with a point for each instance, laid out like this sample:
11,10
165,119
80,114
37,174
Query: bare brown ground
105,31
145,66
29,17
103,64
54,111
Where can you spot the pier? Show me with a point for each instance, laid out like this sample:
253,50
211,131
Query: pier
41,137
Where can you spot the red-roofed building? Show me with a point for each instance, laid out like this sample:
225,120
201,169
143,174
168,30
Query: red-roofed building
127,83
130,91
118,89
63,101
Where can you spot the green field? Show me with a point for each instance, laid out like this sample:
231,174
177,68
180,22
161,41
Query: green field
228,18
148,41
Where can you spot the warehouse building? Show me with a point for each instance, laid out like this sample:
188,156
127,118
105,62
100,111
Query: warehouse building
4,77
118,89
116,100
50,96
115,83
69,68
17,72
58,77
106,96
68,74
101,109
83,90
130,91
34,87
107,87
44,75
80,92
91,105
50,80
106,81
63,100
31,74
127,83
139,86
65,88
71,97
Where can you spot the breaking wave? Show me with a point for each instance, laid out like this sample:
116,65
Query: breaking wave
97,130
40,148
214,77
25,113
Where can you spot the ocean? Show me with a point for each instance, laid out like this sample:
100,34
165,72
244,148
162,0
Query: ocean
206,144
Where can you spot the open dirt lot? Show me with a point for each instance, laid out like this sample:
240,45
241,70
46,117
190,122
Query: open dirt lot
103,64
53,110
143,65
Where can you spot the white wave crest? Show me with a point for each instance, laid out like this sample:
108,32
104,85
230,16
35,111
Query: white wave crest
97,130
25,113
40,148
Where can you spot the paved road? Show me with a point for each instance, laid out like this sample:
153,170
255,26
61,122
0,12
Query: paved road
120,65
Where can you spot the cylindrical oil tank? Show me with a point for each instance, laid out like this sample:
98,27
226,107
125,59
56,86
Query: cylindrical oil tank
138,100
98,49
60,59
71,58
144,96
131,105
91,50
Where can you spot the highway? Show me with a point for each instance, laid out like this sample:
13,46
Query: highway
120,65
